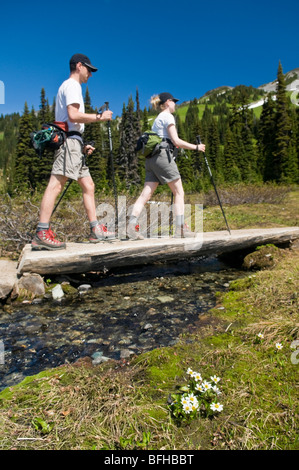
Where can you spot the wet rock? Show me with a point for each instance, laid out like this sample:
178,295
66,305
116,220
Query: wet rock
264,257
126,340
68,289
28,286
84,288
8,277
98,358
152,311
125,353
165,298
57,292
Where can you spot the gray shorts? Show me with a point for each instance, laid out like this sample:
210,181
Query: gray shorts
69,160
158,169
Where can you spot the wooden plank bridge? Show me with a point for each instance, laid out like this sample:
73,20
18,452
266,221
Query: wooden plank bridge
87,257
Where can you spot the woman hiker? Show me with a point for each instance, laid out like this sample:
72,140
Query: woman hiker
162,168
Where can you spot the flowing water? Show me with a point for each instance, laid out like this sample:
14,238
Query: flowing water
125,312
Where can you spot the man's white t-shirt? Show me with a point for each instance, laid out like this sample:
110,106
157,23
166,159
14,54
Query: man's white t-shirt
161,123
70,92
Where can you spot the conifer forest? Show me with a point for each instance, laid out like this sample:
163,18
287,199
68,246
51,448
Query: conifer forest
242,145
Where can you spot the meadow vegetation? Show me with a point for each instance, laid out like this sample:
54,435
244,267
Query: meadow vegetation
249,340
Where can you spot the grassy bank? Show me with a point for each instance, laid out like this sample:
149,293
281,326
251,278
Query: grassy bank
121,405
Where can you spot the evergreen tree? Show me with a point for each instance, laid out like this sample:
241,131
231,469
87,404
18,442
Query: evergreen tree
192,122
145,121
138,114
284,159
9,125
231,156
184,158
213,150
266,132
27,161
45,115
128,159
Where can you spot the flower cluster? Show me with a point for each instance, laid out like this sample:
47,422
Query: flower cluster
198,397
260,337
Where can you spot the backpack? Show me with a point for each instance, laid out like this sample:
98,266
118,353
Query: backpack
50,136
147,144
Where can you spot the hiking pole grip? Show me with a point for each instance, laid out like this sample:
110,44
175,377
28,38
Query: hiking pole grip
198,139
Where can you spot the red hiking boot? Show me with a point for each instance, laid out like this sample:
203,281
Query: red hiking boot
133,232
184,232
99,233
45,240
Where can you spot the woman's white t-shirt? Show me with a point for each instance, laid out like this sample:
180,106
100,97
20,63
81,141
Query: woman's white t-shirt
161,123
70,92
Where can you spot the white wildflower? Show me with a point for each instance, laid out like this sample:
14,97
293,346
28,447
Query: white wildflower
192,398
187,408
215,379
197,377
200,388
216,407
216,390
184,401
206,385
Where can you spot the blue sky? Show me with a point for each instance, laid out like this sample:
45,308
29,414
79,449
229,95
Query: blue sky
184,47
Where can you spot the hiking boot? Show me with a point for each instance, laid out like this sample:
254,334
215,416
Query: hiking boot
99,233
183,231
45,239
133,232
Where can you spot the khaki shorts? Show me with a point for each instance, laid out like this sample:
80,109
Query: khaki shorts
69,160
158,169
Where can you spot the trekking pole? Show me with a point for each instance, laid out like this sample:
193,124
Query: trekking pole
112,163
198,140
69,182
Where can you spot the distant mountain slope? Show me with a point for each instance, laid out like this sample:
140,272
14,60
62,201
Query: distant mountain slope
292,82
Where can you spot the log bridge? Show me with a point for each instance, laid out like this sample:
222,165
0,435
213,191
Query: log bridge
87,257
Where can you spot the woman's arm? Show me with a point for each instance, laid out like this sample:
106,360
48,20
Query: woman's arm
177,142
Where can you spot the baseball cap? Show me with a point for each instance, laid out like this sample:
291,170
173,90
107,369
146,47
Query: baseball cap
84,60
166,96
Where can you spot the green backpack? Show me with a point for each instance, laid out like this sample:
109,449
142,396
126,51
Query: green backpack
148,143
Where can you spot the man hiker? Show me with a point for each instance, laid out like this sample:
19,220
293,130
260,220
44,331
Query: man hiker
69,160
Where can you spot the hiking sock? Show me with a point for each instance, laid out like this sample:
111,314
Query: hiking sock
42,226
179,220
93,224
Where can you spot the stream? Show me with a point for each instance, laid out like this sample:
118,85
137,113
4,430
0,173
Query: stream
119,314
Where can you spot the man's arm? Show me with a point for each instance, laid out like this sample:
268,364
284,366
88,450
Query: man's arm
76,116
